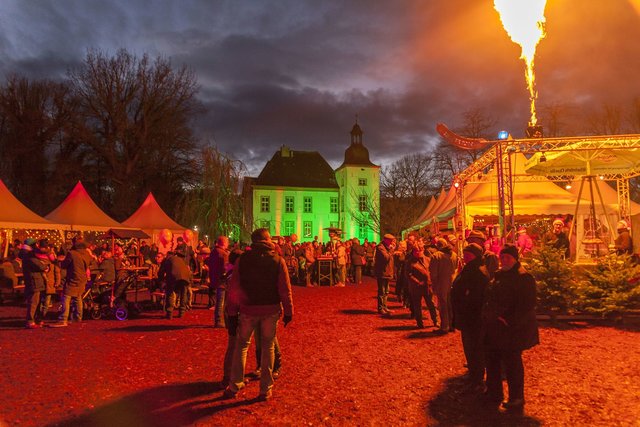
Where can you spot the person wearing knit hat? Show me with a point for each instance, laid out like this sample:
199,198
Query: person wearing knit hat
509,249
467,298
490,259
509,320
623,243
475,249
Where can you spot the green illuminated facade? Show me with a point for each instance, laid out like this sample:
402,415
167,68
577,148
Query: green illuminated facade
298,192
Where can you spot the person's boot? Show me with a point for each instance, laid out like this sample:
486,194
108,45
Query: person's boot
169,315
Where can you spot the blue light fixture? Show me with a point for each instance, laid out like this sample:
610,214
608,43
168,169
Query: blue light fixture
503,134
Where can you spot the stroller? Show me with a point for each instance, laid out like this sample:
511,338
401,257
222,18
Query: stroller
102,300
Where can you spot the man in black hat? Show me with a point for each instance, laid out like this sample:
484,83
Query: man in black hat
510,322
384,270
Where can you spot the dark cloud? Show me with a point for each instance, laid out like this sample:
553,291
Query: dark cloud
297,72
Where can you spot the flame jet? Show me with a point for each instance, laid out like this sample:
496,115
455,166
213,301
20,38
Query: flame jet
524,21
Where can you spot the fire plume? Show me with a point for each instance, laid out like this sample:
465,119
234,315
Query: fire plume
524,21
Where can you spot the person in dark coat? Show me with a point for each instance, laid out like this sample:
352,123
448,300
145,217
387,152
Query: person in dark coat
177,277
384,270
76,263
219,267
416,272
467,298
358,260
35,264
510,320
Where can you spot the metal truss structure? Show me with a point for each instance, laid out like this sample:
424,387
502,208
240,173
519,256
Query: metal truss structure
499,156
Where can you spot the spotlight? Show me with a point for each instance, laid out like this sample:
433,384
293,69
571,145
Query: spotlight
503,134
456,183
601,177
568,186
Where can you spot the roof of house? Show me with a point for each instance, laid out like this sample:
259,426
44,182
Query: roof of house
290,168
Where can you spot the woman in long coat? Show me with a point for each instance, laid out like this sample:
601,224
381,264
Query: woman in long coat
511,327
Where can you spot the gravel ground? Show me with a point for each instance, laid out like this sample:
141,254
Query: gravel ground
342,365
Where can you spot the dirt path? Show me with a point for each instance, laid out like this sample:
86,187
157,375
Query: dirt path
343,365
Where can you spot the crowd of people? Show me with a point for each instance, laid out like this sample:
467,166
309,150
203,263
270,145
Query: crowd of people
483,291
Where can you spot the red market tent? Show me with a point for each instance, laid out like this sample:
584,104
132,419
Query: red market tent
15,215
80,213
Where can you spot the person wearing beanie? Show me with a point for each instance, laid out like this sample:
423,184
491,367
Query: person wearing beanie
509,319
489,258
467,298
623,243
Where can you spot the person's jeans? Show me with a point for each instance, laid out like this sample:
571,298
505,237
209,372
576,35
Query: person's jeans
357,273
218,316
277,356
178,291
444,308
472,345
212,297
228,357
383,291
341,273
67,305
418,293
512,360
33,301
247,326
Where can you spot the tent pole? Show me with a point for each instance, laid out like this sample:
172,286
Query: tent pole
575,215
604,209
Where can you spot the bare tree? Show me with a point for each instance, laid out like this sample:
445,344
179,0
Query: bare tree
214,203
136,117
34,119
606,121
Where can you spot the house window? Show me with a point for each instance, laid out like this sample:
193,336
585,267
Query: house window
289,228
265,202
306,231
307,204
333,224
362,230
362,203
334,205
266,224
362,182
288,204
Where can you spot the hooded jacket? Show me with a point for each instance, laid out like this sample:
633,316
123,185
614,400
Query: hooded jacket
259,284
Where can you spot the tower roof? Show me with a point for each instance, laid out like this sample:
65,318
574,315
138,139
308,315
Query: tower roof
356,154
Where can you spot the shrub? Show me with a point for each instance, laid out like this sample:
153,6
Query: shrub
554,279
612,287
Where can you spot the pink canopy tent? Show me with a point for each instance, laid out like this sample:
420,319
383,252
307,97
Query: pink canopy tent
152,219
79,212
14,215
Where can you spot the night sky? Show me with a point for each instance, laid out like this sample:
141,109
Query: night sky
297,72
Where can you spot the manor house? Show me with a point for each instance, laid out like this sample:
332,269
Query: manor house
298,192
